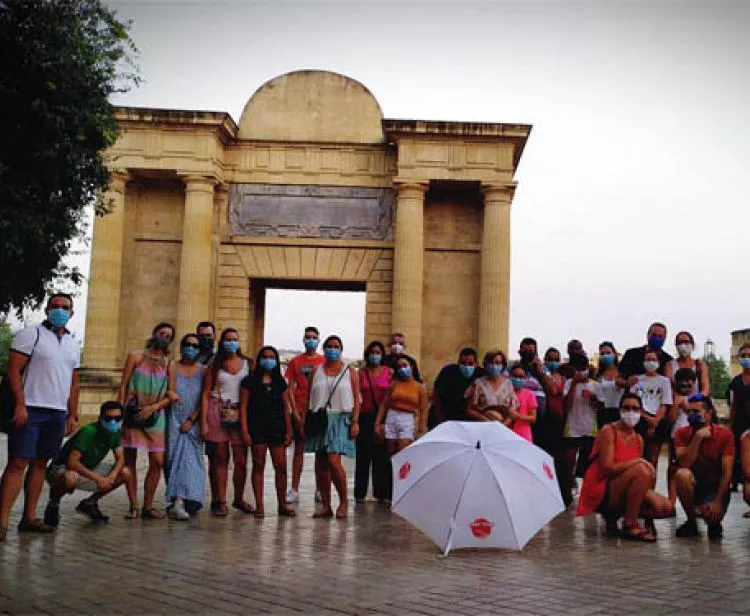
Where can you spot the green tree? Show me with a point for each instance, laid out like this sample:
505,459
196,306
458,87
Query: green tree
60,61
718,375
6,338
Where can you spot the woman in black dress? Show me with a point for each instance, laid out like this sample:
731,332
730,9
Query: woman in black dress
266,424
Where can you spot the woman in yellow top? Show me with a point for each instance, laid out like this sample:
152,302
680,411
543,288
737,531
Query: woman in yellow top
404,409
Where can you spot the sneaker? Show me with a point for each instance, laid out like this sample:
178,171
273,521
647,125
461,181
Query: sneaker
177,512
92,510
52,515
715,531
318,497
688,530
292,496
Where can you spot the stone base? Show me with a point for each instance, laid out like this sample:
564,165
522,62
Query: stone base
97,386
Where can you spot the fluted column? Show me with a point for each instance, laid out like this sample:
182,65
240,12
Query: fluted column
408,264
105,279
194,300
494,291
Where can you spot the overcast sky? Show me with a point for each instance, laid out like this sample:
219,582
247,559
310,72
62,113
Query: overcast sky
632,199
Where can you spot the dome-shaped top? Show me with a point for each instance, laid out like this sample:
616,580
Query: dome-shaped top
312,106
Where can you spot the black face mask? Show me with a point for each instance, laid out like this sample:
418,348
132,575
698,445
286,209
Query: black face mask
206,342
527,356
159,343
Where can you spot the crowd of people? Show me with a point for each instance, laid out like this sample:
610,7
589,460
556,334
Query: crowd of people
605,424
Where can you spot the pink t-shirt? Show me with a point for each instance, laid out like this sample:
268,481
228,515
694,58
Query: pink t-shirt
526,402
380,386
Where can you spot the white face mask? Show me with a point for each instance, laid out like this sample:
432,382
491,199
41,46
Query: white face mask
651,366
685,349
630,418
397,348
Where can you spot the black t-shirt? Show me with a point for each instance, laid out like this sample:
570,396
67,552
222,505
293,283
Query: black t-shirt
632,362
740,405
391,360
450,386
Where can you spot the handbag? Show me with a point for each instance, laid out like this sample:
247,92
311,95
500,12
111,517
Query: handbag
7,401
131,410
317,423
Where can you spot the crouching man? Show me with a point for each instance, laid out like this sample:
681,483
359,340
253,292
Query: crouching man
79,466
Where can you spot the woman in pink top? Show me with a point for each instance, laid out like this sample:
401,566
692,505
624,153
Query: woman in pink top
374,381
522,417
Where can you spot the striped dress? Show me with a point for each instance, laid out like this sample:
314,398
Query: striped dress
148,384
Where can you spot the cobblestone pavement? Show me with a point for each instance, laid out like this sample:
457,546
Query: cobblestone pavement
372,563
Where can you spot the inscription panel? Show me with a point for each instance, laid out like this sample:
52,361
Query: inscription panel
272,210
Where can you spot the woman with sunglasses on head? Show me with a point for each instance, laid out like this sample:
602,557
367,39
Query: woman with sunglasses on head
607,391
147,389
185,473
619,482
331,423
220,423
685,345
266,425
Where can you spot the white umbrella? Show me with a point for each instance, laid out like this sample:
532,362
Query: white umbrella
475,484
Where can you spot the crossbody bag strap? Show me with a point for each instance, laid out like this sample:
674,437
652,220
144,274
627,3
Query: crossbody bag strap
31,355
372,391
335,387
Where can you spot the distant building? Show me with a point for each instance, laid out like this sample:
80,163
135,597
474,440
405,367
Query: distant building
739,337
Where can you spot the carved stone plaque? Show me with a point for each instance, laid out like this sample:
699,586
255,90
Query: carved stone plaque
272,210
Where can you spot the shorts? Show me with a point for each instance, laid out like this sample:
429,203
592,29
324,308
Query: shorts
41,436
399,425
705,494
56,471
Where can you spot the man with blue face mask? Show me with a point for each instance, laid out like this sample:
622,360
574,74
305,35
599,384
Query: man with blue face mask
43,377
79,466
448,401
631,364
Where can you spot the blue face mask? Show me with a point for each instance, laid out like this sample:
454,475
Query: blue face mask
311,344
190,353
404,372
655,342
375,359
696,420
494,369
552,365
606,360
333,354
231,346
267,363
518,382
745,362
466,371
59,317
110,426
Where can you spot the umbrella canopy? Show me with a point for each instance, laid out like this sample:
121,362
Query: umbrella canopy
475,484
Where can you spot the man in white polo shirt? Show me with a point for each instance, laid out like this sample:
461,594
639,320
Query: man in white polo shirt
43,376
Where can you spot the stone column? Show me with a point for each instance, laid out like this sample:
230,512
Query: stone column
494,291
196,261
408,265
105,279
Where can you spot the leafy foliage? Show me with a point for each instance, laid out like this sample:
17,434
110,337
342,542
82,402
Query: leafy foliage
718,375
6,338
60,60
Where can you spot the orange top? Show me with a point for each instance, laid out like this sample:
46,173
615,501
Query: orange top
405,395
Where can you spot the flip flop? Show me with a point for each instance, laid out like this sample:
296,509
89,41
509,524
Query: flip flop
324,513
152,514
243,507
640,534
133,514
287,512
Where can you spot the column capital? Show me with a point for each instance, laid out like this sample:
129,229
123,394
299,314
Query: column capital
118,180
404,186
198,182
499,192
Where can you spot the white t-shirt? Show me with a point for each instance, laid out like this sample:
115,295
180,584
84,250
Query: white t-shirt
582,415
609,394
653,392
49,372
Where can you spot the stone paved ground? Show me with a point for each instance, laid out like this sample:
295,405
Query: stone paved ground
373,563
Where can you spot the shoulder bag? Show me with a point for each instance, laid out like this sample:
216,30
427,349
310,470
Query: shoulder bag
7,401
316,423
132,409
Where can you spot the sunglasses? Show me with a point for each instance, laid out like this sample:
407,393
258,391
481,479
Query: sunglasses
630,407
192,345
112,419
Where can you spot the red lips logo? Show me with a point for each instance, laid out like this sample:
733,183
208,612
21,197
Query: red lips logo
481,528
548,471
404,471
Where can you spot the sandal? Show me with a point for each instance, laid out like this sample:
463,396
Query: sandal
152,514
219,510
243,507
342,512
287,512
323,513
259,514
637,533
34,526
132,514
650,526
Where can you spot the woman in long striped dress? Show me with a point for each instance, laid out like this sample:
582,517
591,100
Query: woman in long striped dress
148,388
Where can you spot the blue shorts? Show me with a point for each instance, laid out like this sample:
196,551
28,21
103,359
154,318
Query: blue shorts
40,437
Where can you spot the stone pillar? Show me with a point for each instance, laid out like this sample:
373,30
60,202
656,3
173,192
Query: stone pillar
196,261
408,265
105,279
494,290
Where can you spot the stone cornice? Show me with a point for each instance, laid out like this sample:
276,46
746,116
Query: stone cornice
221,121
